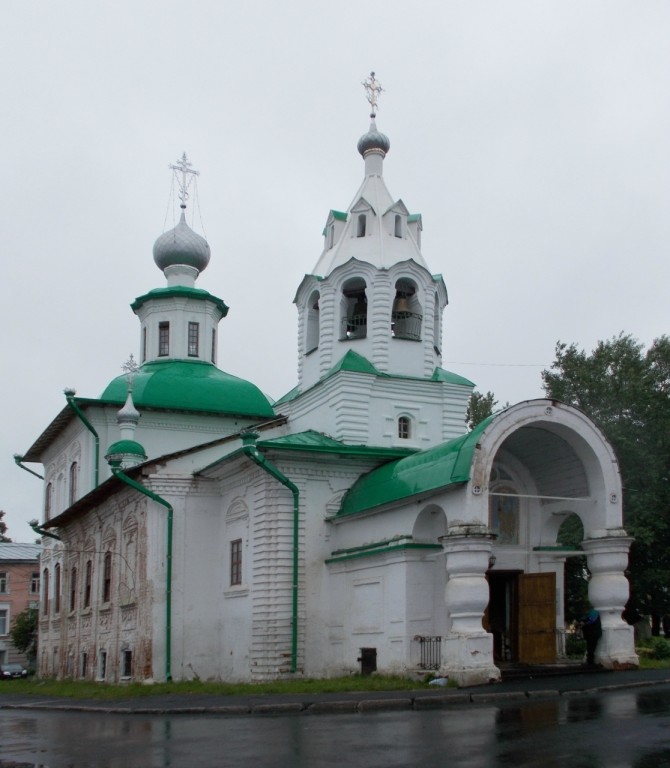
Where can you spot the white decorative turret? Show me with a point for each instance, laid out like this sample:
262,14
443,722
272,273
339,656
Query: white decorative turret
180,321
126,451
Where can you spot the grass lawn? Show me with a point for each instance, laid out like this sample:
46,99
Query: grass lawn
84,689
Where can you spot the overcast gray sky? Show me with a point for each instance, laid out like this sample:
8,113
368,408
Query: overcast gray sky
532,135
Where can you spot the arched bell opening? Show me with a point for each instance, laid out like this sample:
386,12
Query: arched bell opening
407,312
354,310
312,328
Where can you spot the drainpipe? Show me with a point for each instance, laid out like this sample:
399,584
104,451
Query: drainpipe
118,472
18,459
69,396
250,450
41,531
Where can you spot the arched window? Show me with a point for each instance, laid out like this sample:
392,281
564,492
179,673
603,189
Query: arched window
398,226
312,328
406,316
73,589
88,583
504,514
362,221
404,427
437,327
48,500
45,591
354,323
107,578
74,471
57,588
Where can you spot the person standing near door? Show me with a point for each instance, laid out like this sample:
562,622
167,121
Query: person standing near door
592,632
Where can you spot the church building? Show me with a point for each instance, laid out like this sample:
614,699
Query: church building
193,528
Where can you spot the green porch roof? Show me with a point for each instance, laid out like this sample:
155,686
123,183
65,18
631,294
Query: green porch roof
437,468
190,385
180,291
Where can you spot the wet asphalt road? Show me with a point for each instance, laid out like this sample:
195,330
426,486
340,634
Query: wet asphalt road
625,728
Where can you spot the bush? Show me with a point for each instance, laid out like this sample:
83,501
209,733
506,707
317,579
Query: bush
660,648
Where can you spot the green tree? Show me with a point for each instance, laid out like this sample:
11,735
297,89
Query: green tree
627,392
3,529
480,407
24,632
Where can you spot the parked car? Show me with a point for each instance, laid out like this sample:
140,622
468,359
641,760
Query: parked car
11,671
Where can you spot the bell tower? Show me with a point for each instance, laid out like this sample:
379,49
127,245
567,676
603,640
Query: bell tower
372,303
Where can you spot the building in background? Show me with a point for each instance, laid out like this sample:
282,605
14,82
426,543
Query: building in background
195,529
19,589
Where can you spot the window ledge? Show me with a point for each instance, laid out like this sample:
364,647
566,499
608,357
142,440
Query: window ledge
237,591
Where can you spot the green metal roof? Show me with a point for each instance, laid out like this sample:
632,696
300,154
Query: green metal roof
190,385
180,291
126,446
317,442
439,467
439,374
352,361
356,363
414,217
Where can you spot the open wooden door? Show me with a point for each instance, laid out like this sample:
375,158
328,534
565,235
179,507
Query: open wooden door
537,618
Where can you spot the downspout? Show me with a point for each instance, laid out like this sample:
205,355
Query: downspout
41,531
250,450
118,472
18,459
69,395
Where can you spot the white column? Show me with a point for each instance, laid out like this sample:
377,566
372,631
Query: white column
607,555
467,650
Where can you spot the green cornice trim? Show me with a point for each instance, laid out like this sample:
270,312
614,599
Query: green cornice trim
182,292
381,550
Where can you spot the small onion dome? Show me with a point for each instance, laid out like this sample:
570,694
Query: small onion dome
128,414
374,141
181,245
123,449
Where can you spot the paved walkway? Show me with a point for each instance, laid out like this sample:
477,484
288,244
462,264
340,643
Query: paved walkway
420,699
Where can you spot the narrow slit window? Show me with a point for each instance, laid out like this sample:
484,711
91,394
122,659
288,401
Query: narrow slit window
163,339
214,345
144,344
45,593
398,226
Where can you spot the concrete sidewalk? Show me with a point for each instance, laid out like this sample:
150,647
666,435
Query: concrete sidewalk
506,692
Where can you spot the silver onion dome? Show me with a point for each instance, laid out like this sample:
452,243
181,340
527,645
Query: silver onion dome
181,245
374,141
